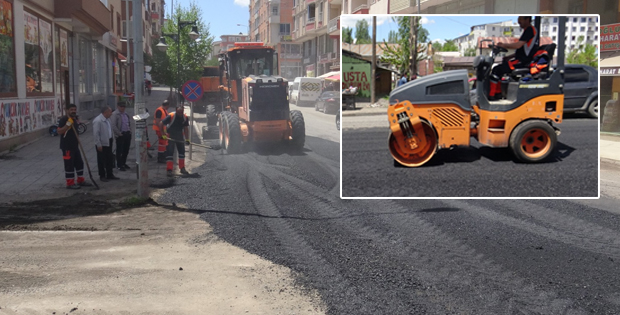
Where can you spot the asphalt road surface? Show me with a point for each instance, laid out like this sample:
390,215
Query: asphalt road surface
412,256
368,169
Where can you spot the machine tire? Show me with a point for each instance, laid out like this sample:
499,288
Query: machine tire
415,160
299,129
211,115
222,128
593,108
232,133
533,141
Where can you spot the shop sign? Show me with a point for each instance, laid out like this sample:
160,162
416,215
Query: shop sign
17,117
610,37
610,71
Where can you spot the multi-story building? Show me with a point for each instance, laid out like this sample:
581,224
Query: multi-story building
316,27
576,27
271,23
228,41
499,29
152,18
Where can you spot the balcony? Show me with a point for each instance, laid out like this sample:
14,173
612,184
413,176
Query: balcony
333,26
290,56
274,18
155,16
286,38
309,59
362,9
92,14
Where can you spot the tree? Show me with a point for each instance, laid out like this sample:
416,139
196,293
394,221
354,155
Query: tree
347,35
437,46
470,52
193,54
213,62
392,37
585,54
399,55
361,32
449,45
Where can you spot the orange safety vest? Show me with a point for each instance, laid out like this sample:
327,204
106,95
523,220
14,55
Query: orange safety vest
164,113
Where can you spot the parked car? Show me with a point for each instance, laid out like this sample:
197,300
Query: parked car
328,102
581,89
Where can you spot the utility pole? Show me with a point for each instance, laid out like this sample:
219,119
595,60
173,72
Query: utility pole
139,104
414,46
373,66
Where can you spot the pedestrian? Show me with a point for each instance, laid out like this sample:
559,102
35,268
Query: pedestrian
177,127
402,80
71,149
121,125
102,132
161,113
526,47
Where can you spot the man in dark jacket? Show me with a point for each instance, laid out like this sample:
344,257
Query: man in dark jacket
177,126
121,126
71,150
525,47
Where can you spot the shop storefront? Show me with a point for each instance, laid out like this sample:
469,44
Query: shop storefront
609,88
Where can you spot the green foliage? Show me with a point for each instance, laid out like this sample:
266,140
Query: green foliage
213,62
437,66
399,55
470,52
361,32
449,45
347,35
392,37
193,54
437,46
584,54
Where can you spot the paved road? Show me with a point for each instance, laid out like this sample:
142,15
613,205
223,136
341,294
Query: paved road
368,169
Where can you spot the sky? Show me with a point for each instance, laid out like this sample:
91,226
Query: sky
439,27
222,16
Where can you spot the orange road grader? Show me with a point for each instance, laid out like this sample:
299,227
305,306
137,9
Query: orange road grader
437,111
254,98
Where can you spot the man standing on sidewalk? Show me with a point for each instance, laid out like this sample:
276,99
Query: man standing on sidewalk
102,131
71,150
178,131
161,113
121,125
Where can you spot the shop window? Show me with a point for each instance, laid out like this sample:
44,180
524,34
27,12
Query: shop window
8,84
38,56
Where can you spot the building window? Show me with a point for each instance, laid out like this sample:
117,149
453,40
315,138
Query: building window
574,29
583,19
311,12
555,20
553,38
38,55
95,65
285,29
321,11
575,20
274,10
555,29
583,29
83,55
8,86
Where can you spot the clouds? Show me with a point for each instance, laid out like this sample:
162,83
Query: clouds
242,3
425,20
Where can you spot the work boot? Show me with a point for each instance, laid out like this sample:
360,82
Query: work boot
169,173
85,184
74,187
184,171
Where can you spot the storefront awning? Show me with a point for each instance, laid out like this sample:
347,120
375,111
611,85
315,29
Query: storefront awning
121,57
610,66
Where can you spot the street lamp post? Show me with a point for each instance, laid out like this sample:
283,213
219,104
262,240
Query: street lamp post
177,38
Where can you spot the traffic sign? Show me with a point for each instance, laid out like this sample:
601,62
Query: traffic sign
192,90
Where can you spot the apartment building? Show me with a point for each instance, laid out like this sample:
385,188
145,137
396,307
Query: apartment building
271,22
491,30
576,27
316,28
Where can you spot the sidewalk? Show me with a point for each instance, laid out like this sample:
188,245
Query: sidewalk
609,143
35,171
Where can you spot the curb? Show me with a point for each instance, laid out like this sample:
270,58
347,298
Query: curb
361,112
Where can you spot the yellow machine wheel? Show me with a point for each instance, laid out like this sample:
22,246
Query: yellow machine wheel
533,141
421,155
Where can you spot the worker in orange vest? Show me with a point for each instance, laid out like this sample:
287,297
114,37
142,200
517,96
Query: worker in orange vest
177,127
161,113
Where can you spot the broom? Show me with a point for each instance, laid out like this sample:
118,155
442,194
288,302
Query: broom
84,155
